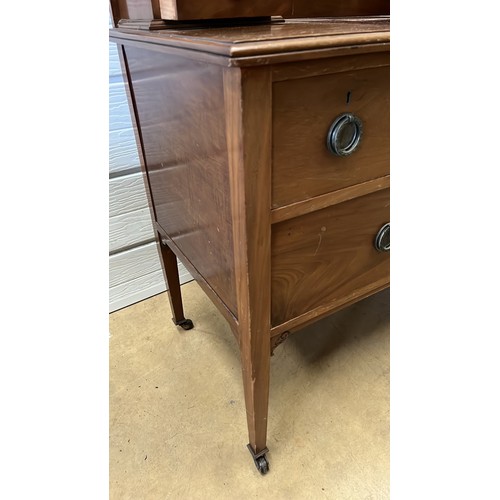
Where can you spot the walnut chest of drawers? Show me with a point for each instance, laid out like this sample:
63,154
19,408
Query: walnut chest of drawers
266,153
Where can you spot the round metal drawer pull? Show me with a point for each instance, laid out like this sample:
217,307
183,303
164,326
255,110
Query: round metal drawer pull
383,239
344,135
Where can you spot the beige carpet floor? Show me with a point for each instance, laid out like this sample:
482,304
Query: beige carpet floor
177,413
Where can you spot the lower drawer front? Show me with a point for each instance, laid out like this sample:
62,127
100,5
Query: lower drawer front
323,258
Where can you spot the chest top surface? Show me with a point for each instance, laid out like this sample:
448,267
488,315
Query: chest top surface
262,44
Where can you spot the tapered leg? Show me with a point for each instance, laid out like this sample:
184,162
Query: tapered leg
255,358
248,104
171,273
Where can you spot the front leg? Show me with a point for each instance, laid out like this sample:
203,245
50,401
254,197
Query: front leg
255,360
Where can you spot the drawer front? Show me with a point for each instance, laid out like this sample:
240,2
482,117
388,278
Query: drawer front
325,257
303,113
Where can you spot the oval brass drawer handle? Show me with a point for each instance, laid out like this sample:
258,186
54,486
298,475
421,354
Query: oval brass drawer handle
383,239
344,135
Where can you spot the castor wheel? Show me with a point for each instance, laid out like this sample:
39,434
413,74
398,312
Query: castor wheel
260,460
262,465
185,324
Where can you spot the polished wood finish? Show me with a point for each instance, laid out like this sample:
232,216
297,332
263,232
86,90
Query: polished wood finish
163,24
232,125
326,200
299,322
217,9
248,109
304,109
325,255
180,108
221,306
338,64
292,41
336,8
171,273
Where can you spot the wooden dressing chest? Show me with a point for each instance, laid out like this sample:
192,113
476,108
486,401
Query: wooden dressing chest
266,153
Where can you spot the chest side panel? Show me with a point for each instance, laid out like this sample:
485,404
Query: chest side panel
180,108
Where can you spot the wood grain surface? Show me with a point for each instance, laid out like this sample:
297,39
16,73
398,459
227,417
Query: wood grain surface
338,64
172,279
329,8
329,199
265,44
204,285
326,255
216,9
248,111
275,227
303,111
180,108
